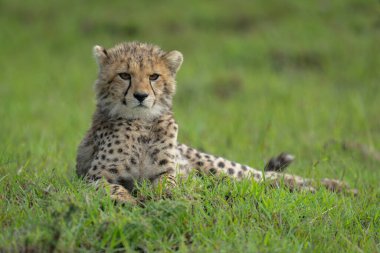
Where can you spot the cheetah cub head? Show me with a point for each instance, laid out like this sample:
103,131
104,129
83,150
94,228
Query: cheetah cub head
136,80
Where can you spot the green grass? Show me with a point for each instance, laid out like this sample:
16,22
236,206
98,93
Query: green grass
259,77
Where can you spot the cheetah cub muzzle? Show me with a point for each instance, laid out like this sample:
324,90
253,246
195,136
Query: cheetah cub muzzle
133,136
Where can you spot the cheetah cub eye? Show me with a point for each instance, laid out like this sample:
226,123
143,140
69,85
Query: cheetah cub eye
154,77
125,76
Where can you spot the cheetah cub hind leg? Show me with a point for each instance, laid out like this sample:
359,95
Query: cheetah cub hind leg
276,165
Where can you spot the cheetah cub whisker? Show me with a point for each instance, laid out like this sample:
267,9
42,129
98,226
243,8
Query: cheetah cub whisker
133,136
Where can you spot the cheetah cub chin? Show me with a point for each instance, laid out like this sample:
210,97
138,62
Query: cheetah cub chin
133,136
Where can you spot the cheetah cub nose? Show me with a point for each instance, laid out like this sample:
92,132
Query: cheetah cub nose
140,96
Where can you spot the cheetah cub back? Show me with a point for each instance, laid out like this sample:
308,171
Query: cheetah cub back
133,136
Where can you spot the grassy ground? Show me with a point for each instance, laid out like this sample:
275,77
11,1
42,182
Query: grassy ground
259,77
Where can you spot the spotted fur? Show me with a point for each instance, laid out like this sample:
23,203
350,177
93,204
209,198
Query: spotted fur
133,136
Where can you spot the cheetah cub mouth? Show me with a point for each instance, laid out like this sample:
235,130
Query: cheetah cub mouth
136,80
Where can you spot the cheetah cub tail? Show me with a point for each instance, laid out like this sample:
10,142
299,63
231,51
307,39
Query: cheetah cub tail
279,163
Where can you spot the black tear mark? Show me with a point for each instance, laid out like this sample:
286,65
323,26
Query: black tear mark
129,86
151,86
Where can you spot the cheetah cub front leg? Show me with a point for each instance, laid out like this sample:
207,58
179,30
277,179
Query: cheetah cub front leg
97,174
165,153
117,192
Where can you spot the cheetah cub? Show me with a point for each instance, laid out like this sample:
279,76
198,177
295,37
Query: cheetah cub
133,136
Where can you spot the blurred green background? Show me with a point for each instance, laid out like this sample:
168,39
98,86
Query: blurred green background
259,78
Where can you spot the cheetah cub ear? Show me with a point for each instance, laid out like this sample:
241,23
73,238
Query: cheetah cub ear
174,60
100,54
